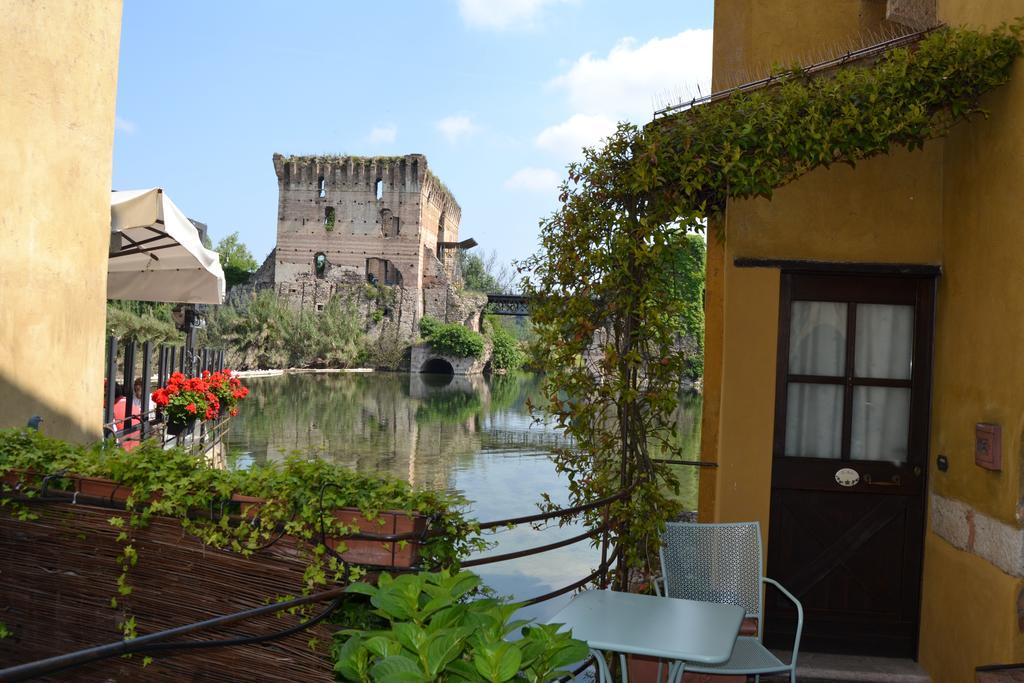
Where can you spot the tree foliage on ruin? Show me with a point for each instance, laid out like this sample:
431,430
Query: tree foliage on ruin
236,260
603,277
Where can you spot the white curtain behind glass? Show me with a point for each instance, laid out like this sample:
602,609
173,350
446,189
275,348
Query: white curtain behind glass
883,349
817,346
881,415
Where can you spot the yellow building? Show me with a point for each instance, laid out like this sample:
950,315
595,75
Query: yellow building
58,85
865,325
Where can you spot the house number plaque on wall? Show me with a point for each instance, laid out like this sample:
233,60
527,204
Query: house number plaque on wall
847,477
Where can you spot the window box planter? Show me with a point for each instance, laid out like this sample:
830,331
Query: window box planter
98,487
398,554
394,554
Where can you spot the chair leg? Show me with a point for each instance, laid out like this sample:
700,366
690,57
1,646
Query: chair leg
603,674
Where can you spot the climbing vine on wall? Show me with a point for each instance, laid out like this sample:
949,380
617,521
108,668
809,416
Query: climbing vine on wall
603,279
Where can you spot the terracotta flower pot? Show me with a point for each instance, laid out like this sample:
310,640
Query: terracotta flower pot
249,506
380,553
93,487
19,479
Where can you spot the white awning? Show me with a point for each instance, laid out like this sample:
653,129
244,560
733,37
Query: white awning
156,253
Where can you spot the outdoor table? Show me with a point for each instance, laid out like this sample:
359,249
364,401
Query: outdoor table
677,630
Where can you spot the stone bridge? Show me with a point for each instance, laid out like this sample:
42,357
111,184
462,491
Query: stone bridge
425,359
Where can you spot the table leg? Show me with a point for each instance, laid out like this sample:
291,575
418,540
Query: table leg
675,671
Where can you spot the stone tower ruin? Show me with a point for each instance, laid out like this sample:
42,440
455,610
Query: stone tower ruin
346,221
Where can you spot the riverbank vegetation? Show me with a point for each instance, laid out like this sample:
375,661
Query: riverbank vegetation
267,333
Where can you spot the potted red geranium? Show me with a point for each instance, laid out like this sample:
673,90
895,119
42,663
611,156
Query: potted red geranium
184,400
227,388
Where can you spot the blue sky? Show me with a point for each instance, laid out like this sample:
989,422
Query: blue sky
499,94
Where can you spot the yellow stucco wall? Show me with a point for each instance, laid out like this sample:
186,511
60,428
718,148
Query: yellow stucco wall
968,614
956,203
58,83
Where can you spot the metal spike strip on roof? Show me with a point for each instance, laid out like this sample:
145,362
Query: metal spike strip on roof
837,61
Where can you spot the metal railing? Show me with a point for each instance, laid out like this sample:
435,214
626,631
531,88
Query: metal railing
135,362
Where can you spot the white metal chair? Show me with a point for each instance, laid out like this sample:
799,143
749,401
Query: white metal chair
722,563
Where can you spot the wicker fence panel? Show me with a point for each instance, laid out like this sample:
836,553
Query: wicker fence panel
59,572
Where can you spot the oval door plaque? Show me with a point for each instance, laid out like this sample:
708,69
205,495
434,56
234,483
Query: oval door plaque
847,477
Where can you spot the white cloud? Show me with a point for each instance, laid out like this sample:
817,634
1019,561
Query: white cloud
503,14
633,79
534,180
383,134
455,127
581,130
125,126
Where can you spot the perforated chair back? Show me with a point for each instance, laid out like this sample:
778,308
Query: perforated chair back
714,563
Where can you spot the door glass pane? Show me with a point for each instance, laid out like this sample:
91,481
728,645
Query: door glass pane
884,341
881,423
814,420
817,338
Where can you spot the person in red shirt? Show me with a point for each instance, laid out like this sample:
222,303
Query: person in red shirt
129,440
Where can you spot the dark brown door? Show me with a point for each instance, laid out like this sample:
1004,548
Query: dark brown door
850,452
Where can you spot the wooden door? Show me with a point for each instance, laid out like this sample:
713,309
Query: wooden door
852,406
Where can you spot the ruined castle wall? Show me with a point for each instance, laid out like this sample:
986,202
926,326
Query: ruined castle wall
439,222
330,205
364,227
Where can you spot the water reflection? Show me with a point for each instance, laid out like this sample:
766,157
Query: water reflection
461,434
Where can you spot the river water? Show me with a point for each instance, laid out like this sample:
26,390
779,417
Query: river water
472,436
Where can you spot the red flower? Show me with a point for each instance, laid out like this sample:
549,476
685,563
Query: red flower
191,407
234,412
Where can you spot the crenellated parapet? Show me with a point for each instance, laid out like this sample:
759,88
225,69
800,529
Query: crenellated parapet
439,195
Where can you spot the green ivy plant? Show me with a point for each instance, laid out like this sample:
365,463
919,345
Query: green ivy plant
435,634
607,306
299,497
451,339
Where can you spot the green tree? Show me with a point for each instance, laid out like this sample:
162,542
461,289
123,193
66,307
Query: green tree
236,260
484,273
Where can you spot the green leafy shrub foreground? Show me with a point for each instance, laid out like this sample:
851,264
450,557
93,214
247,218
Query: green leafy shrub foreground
605,273
451,339
435,634
300,496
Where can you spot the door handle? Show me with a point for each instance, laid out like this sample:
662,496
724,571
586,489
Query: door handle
896,481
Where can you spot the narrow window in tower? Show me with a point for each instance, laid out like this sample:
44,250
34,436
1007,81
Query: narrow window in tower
394,223
329,218
380,189
323,187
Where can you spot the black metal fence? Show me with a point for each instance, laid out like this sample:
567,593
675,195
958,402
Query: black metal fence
133,362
